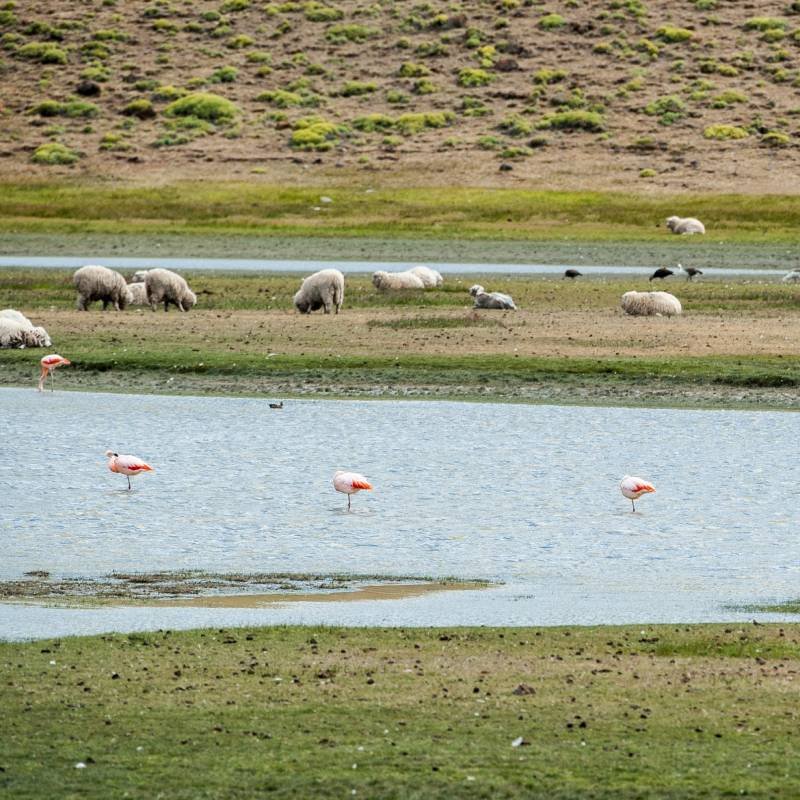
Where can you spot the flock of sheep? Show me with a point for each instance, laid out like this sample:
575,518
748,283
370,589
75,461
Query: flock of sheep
322,290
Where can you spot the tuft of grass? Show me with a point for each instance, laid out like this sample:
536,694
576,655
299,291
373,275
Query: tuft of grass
316,133
668,109
341,34
673,35
776,139
551,22
203,105
72,108
725,132
576,120
141,109
43,52
765,24
414,122
54,153
357,88
728,98
474,77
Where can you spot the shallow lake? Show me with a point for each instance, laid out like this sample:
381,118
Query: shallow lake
523,494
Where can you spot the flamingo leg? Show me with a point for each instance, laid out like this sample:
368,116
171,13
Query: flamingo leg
348,502
129,482
633,505
52,381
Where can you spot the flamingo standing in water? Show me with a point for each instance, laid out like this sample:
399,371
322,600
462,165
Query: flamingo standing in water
349,483
126,465
49,363
634,488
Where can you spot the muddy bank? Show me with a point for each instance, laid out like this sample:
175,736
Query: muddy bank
707,252
197,589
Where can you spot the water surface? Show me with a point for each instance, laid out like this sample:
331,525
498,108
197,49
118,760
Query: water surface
522,494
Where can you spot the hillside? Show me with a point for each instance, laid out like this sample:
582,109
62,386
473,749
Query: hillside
682,95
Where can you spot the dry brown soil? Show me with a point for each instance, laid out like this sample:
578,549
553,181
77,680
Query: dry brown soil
614,56
601,333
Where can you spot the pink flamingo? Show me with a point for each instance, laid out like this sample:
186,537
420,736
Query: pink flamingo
126,465
634,488
349,483
49,363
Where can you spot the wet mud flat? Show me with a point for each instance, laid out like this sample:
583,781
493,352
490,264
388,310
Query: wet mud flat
199,589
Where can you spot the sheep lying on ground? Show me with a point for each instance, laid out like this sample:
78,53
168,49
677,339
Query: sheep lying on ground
397,280
686,225
16,330
100,283
138,293
323,289
644,304
139,276
430,278
165,286
792,277
484,299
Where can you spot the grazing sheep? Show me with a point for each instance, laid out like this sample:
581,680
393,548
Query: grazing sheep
323,289
100,283
139,276
138,293
397,280
792,277
19,331
685,225
430,278
644,304
484,299
165,286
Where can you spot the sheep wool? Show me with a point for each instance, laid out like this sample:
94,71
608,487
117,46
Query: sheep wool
484,299
16,330
792,277
431,278
165,286
685,225
646,304
323,289
138,292
100,283
139,276
395,281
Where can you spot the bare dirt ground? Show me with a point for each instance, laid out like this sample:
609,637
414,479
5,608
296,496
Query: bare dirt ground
610,58
571,334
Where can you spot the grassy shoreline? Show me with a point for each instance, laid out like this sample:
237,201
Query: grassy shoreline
606,712
567,344
457,213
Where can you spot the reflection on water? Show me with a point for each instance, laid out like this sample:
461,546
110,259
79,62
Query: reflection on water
526,495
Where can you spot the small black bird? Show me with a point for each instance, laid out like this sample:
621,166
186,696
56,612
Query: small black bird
572,273
662,272
690,271
276,405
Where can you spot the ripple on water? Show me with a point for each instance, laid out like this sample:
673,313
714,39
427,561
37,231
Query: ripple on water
525,494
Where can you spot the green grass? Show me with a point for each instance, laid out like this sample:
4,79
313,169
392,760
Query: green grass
455,213
634,712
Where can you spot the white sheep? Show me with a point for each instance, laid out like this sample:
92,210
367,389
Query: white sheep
685,225
430,278
484,299
100,283
138,292
393,281
139,276
18,328
792,277
645,304
323,289
165,286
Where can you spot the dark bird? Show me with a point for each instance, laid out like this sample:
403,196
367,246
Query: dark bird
572,273
276,405
662,272
690,271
